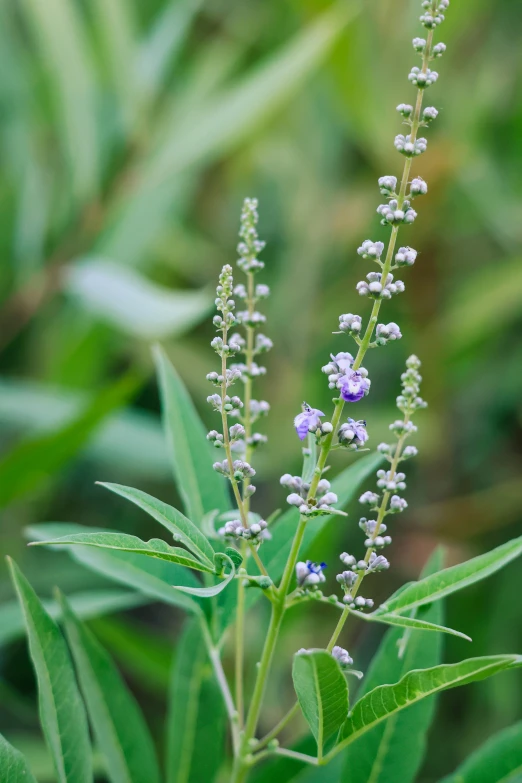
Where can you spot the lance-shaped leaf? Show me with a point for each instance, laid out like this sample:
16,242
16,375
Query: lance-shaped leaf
386,700
322,693
120,730
182,529
196,714
448,581
499,759
392,751
150,576
407,621
13,764
121,542
201,488
62,713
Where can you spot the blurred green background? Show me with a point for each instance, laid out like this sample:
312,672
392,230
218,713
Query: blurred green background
130,134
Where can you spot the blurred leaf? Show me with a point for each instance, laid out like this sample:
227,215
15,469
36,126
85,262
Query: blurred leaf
118,724
148,575
196,714
201,488
392,752
181,528
121,542
147,664
322,693
448,581
113,19
229,118
499,760
91,603
122,297
33,462
13,765
222,122
487,303
386,700
62,712
58,28
163,43
131,439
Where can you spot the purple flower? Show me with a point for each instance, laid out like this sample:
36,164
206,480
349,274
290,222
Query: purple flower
309,418
353,386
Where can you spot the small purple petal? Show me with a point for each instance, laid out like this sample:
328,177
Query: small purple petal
352,387
301,425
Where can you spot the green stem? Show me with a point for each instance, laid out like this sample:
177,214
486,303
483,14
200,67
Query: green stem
221,679
278,728
247,419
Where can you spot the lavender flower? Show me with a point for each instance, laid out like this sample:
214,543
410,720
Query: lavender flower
308,420
353,386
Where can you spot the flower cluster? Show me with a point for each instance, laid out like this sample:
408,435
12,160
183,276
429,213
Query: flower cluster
309,574
320,504
239,438
387,501
352,434
256,532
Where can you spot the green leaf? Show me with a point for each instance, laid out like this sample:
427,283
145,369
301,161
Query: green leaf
13,765
201,488
448,581
128,301
61,36
31,463
62,713
120,730
150,576
387,700
499,760
392,751
125,543
406,621
182,529
88,604
322,693
196,715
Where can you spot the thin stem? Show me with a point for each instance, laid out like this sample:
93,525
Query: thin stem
278,728
221,679
247,419
259,562
240,651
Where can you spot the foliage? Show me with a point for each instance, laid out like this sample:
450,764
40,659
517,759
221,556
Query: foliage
129,136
